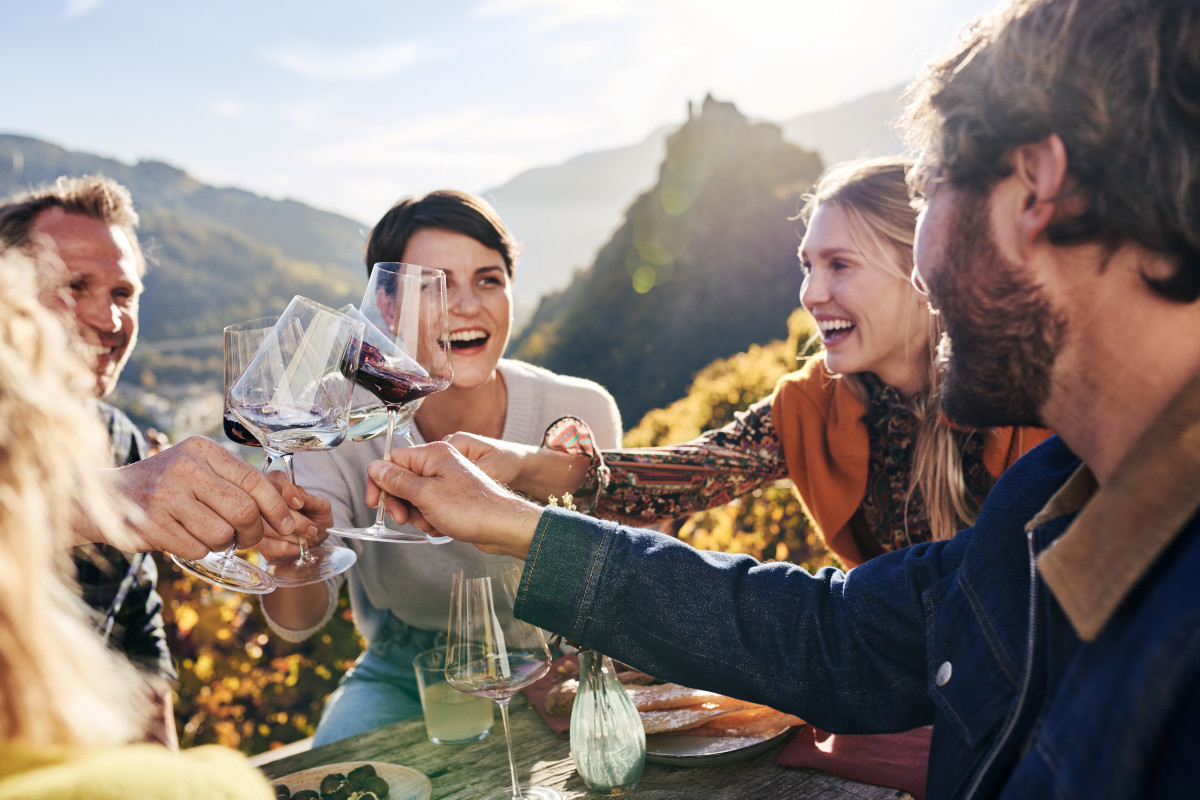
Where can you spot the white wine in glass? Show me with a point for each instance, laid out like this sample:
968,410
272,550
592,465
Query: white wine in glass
489,652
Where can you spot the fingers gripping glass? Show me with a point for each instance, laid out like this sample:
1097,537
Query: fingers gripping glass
405,358
225,568
295,395
491,653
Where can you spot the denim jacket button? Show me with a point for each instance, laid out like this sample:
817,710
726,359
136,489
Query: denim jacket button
943,674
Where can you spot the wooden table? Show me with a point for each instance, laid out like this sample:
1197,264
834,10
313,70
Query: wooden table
467,772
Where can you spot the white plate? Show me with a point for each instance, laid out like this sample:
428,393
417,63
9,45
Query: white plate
707,751
403,783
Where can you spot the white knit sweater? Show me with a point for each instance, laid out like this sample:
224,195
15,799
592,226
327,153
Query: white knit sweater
412,581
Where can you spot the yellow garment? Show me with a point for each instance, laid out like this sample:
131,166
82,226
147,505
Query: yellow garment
141,771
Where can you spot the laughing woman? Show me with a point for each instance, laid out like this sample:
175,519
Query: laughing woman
400,594
856,430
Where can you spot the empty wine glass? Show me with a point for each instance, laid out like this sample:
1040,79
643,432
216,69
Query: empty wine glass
491,653
226,569
295,395
405,357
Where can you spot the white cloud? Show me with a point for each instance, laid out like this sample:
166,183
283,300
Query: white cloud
345,64
544,15
77,8
228,109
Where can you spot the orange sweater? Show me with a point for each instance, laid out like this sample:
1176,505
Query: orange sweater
821,427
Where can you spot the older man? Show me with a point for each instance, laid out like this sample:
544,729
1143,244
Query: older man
1054,646
196,496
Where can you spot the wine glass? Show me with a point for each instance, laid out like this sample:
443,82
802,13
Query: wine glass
405,357
491,653
295,395
226,569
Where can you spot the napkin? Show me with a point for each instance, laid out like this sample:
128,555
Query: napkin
897,760
560,669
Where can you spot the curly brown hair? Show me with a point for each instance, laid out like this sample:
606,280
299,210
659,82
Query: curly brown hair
1117,80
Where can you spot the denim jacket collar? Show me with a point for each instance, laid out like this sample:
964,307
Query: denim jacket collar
1123,527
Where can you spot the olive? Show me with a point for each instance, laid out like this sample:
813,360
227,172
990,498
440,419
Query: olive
306,794
342,792
331,782
376,785
367,796
360,774
282,792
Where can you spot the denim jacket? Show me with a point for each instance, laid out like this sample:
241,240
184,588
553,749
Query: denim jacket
1104,704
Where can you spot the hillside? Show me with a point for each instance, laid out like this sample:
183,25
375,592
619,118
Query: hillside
564,213
216,256
703,266
861,127
561,214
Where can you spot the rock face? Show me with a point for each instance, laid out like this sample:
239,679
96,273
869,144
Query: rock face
703,266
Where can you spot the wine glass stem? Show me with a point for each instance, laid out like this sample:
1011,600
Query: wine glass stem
305,557
512,764
387,454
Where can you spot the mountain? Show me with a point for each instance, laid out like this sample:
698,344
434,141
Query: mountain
861,127
562,214
216,256
703,266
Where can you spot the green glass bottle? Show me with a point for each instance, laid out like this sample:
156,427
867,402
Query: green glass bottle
608,742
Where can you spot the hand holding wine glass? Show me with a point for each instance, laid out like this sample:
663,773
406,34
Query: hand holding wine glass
225,568
489,652
405,357
294,395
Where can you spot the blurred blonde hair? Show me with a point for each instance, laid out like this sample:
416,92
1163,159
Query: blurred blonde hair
873,194
59,685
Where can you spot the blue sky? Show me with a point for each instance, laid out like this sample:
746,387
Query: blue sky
348,105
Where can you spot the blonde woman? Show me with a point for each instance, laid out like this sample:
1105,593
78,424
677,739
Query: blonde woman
68,705
856,430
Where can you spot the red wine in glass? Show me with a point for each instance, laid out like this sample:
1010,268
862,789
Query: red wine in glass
237,433
394,387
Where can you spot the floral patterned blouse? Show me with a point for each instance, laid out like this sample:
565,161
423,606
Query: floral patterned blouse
651,484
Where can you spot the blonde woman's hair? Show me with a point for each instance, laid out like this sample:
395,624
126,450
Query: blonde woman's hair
59,685
874,196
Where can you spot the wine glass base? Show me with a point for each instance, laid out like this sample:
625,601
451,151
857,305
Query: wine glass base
528,792
233,573
429,537
379,534
327,562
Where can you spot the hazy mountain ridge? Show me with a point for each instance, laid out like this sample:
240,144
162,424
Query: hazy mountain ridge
703,266
565,213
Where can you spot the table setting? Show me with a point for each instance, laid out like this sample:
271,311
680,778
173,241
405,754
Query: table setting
799,762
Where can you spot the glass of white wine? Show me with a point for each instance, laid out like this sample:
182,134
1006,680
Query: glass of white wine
491,653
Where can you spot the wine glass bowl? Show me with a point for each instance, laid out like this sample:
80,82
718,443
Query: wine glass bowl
405,358
491,653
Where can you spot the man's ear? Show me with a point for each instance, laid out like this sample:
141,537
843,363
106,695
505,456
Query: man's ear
1041,170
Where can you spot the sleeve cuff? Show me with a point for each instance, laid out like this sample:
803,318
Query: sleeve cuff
334,585
563,571
573,435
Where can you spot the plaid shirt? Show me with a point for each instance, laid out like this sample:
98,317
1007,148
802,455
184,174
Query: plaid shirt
120,587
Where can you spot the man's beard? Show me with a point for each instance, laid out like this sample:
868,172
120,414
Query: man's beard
1003,333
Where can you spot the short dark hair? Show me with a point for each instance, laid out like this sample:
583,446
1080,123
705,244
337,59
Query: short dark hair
93,196
446,209
1117,80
